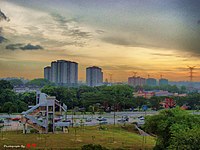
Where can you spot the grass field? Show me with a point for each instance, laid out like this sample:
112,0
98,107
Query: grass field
111,137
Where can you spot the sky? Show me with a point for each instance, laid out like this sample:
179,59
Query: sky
150,37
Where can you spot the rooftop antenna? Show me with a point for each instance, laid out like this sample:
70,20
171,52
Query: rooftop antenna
135,73
161,76
148,76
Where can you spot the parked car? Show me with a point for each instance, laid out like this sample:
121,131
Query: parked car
66,120
88,119
103,122
141,117
123,119
1,121
101,118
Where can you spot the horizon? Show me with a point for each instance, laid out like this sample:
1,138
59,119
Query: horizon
145,36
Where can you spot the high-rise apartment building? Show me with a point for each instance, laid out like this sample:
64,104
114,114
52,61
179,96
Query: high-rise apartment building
94,76
47,73
163,81
54,72
151,82
136,81
63,72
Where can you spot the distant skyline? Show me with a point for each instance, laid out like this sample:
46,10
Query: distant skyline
121,36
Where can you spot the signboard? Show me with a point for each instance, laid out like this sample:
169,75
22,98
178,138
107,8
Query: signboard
144,107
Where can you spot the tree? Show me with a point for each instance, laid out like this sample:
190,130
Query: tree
7,95
21,106
155,102
140,101
63,94
171,126
185,138
5,85
28,98
39,82
9,107
15,82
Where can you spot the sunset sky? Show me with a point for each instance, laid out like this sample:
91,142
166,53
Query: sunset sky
121,36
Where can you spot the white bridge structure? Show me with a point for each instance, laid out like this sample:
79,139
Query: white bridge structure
46,115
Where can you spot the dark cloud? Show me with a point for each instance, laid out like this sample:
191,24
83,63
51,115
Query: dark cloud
2,39
187,43
161,54
31,47
198,22
3,16
77,33
100,31
70,28
14,46
62,20
20,46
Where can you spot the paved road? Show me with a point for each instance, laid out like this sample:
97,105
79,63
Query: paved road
15,125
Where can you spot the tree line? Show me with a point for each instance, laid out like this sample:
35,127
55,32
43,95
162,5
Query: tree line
104,98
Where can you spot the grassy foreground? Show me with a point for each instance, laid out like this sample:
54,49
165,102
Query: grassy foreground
111,137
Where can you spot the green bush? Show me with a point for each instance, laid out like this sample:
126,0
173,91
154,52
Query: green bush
93,147
175,129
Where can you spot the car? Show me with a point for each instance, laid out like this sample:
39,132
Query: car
66,120
101,118
15,119
1,121
141,117
121,120
103,122
126,118
88,119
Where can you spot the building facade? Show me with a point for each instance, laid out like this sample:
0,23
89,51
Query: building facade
47,73
151,82
163,82
94,76
136,81
63,72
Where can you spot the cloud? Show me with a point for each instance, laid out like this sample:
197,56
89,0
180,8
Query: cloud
2,39
189,43
70,28
161,54
122,67
31,47
124,41
77,33
100,31
3,16
62,20
14,46
23,47
198,22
